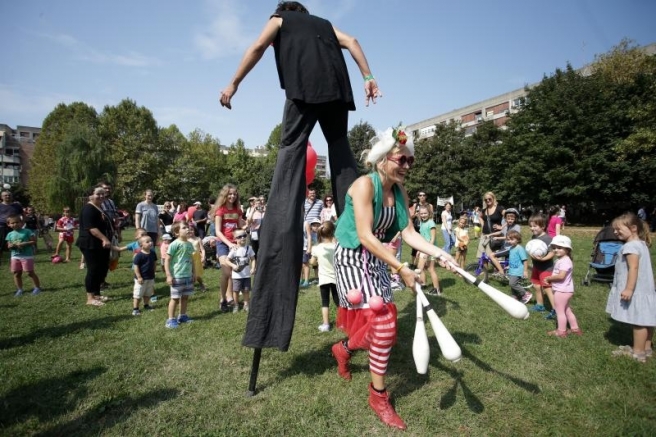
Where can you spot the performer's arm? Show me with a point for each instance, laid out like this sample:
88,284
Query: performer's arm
353,46
251,58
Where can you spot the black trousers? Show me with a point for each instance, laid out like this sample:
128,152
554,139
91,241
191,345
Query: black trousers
97,262
275,290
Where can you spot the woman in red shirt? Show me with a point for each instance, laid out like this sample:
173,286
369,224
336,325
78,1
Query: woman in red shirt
227,219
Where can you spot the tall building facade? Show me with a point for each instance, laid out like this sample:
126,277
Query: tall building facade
16,150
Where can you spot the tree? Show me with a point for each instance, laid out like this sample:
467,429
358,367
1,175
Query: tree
132,134
54,130
82,159
358,138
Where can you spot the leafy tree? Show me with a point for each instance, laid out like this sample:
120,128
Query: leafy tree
358,138
54,130
132,134
82,159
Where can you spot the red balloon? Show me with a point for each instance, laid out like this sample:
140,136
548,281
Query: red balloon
310,163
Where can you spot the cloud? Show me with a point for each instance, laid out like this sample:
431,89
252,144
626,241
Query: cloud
85,52
224,35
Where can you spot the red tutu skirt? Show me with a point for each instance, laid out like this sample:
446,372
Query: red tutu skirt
357,324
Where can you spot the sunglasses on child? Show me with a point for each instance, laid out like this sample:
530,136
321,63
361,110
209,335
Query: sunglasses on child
240,237
403,160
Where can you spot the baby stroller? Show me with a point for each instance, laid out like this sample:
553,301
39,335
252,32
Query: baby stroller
209,244
606,247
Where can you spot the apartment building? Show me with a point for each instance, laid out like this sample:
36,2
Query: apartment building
16,150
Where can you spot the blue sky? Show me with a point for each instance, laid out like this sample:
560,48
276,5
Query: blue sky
173,57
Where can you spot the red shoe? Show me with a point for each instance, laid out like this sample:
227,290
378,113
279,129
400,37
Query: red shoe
575,332
343,357
379,402
556,333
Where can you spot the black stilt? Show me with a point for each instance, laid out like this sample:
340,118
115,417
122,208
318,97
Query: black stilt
255,368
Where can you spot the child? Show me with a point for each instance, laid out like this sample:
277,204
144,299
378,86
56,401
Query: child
324,252
542,267
239,259
21,243
510,215
462,240
394,246
198,256
134,246
163,248
428,230
180,274
632,298
65,226
517,266
143,264
563,287
309,240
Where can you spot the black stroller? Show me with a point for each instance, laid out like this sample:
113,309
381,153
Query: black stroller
605,249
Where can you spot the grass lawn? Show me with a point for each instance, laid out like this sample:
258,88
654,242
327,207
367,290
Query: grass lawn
71,369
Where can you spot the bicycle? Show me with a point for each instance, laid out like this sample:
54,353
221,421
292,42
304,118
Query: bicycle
482,268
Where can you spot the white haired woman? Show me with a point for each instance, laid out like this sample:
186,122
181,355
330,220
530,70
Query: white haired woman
376,209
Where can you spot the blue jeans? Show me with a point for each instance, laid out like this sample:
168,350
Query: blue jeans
448,241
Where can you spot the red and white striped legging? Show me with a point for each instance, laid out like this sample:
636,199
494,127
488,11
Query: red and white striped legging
381,340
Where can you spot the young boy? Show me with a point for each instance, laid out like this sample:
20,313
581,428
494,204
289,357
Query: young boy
65,226
517,266
180,275
242,261
134,246
143,264
542,267
310,238
462,240
21,243
428,230
510,215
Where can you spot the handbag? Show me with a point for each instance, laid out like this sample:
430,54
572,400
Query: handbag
494,244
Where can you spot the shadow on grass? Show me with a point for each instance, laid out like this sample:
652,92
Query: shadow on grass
619,333
110,412
46,398
58,331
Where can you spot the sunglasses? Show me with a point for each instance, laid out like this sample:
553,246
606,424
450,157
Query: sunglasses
488,200
240,237
329,200
403,160
421,195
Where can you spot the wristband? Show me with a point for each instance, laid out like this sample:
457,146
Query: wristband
369,77
397,270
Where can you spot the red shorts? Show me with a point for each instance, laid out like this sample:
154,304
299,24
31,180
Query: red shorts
537,277
66,238
21,265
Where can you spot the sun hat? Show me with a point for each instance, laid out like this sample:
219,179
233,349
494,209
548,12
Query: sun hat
561,241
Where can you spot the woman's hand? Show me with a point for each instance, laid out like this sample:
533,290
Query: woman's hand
409,277
106,244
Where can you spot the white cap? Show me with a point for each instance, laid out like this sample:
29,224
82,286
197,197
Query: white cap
561,241
197,203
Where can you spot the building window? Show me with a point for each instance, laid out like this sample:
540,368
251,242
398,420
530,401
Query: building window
24,134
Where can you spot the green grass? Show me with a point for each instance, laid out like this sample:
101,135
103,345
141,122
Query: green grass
71,369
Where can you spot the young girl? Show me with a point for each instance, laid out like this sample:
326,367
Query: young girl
227,215
462,240
542,267
198,256
324,252
428,230
632,297
555,223
563,287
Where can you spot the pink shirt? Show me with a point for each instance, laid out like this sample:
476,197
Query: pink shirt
564,264
551,227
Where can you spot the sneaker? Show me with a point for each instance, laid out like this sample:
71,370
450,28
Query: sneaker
171,324
224,306
551,315
36,291
183,318
245,308
538,308
304,284
434,292
153,298
136,312
235,309
18,293
324,327
396,286
527,297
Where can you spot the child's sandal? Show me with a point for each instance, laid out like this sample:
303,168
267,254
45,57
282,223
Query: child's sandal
575,332
556,333
622,351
